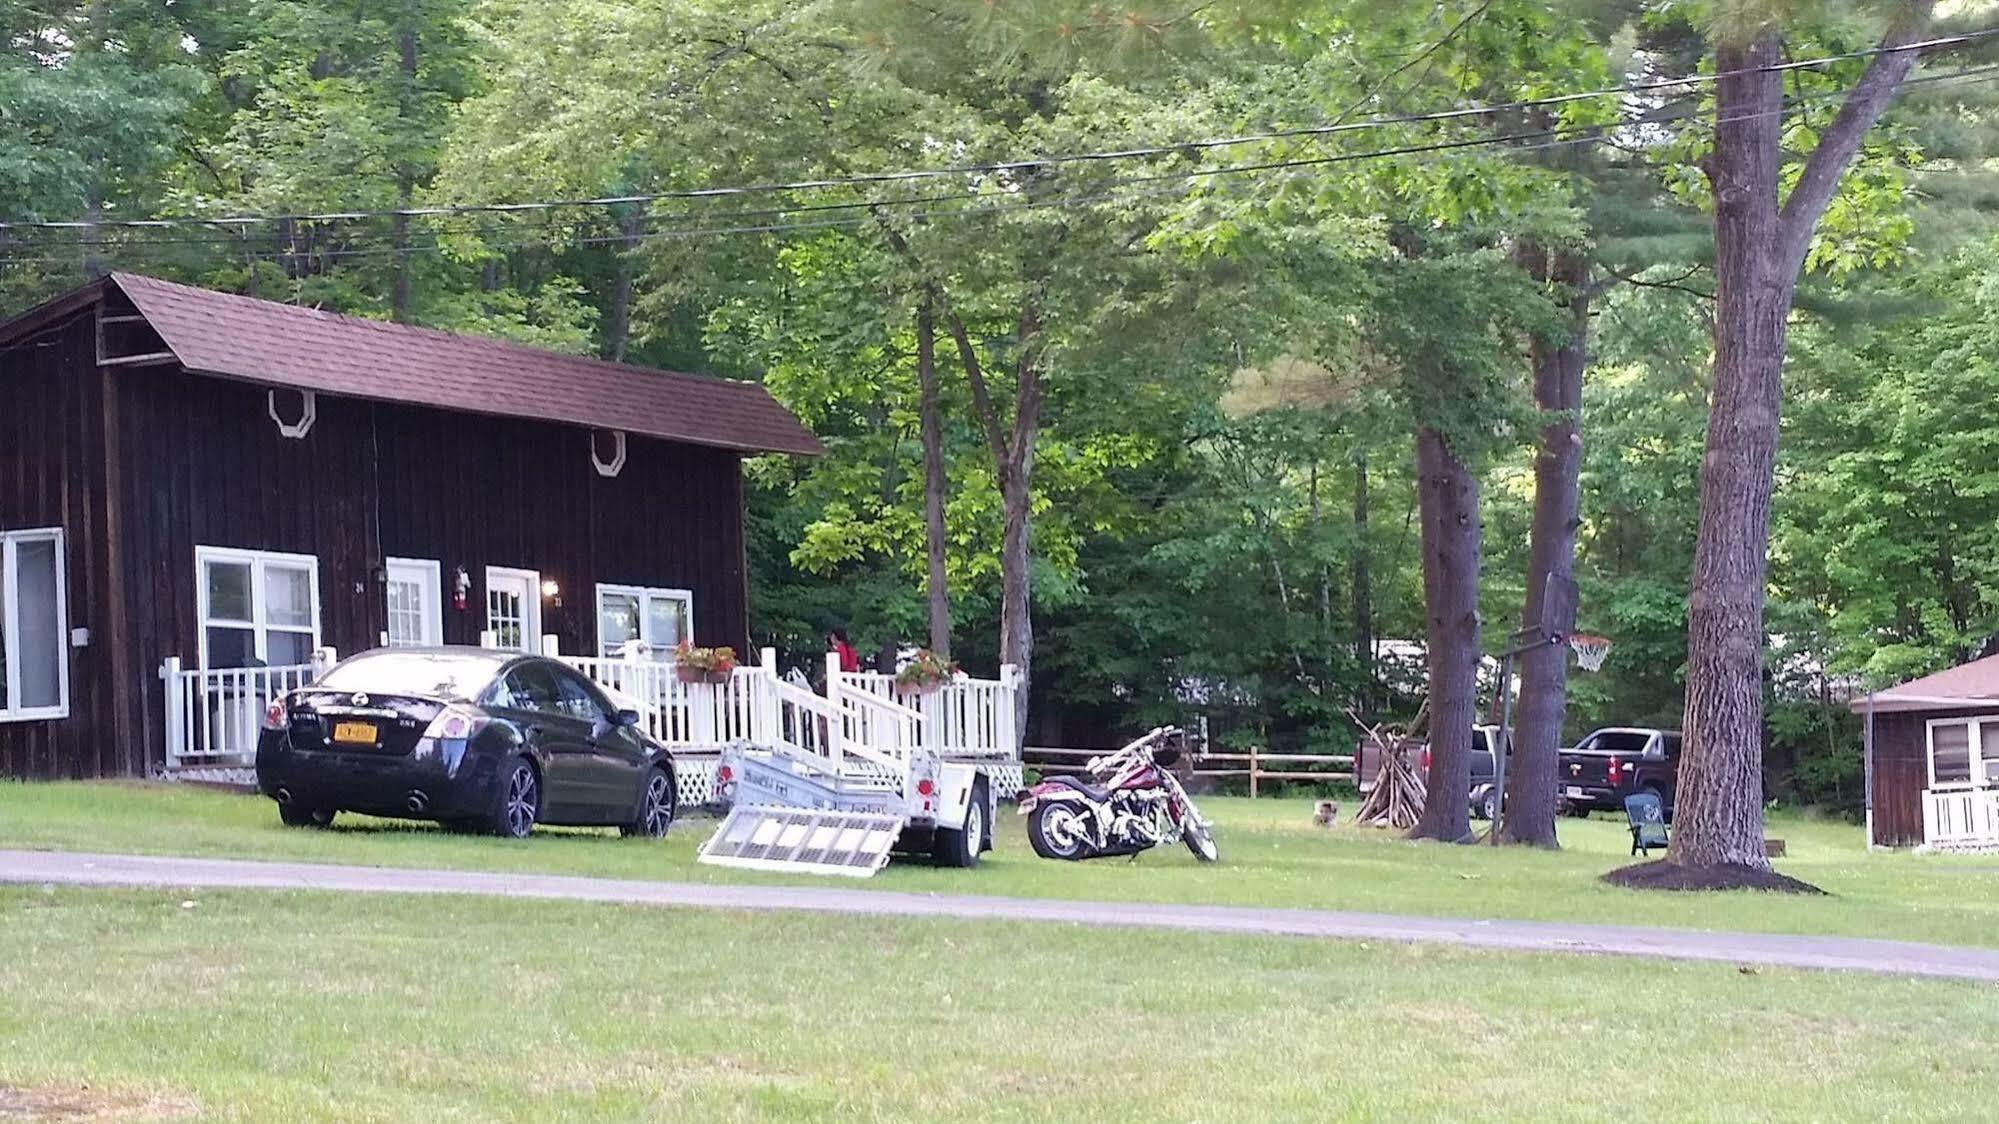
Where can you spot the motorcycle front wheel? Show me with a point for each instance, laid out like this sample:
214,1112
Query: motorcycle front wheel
1202,842
1058,831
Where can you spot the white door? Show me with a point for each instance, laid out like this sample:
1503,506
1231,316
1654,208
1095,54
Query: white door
513,608
416,604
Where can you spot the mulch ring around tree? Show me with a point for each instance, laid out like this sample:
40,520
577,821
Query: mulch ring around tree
1664,875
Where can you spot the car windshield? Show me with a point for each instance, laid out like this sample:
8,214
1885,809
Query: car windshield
440,674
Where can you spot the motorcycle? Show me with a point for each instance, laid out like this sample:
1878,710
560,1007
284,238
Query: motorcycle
1129,803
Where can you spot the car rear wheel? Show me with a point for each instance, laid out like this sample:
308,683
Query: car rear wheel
519,802
294,816
655,812
1484,802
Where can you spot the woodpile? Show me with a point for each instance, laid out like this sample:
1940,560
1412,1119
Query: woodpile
1396,801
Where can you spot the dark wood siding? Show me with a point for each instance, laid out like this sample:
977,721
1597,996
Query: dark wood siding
204,465
1901,772
52,474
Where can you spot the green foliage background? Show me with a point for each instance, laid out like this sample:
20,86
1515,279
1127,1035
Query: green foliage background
1231,354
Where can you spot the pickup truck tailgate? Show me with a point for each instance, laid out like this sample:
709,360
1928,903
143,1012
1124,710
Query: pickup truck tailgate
1586,768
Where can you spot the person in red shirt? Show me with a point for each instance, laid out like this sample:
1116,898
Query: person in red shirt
850,660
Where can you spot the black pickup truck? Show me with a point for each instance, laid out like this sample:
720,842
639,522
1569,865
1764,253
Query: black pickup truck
1615,762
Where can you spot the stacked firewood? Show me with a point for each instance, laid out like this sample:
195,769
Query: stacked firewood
1396,800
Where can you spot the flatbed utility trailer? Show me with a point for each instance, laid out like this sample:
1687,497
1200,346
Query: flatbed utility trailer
845,782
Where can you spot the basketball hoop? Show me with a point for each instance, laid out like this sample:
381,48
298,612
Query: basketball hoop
1590,650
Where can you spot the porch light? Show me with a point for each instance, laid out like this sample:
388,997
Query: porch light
550,591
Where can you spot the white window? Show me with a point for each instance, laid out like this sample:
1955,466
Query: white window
257,607
513,608
416,603
660,617
34,633
1963,752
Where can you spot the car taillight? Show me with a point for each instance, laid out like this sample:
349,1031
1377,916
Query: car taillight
1614,770
450,724
275,716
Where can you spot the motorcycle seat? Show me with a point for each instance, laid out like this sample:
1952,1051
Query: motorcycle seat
1082,785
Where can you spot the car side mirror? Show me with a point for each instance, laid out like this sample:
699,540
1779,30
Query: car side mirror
626,717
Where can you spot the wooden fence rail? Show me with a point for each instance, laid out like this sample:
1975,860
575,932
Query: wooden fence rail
1251,764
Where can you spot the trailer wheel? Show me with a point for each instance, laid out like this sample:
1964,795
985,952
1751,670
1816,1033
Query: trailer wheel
960,847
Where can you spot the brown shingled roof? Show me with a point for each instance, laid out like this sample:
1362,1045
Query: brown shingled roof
266,342
1965,686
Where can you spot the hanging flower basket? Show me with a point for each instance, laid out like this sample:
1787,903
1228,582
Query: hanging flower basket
703,665
925,673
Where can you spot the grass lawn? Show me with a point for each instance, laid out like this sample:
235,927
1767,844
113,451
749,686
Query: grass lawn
1271,856
301,1006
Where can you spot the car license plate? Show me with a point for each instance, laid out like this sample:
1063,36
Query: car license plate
354,733
1574,791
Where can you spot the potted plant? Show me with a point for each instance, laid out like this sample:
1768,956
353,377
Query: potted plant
703,665
925,672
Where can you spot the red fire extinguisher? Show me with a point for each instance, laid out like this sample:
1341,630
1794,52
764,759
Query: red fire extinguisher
461,584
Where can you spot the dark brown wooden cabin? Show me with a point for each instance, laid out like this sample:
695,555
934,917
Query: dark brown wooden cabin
1932,780
232,482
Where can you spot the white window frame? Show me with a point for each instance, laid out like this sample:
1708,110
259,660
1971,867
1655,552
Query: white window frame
642,593
10,628
258,561
1973,747
530,605
428,574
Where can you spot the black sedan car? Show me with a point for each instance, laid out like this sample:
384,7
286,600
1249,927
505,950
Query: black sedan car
481,741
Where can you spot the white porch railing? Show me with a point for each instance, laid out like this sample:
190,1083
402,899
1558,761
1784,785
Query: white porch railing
862,725
707,715
1962,819
965,719
213,715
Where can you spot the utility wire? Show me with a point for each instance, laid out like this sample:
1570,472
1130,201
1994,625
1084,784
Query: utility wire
1512,143
1018,165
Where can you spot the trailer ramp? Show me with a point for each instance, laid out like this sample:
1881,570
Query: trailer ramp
803,840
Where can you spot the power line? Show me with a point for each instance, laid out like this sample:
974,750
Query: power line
1512,143
1018,165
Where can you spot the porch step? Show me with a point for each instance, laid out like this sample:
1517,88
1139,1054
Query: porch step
803,840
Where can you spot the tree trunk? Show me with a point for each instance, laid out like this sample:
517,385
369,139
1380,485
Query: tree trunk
1718,813
93,263
1013,464
1016,620
1544,669
1759,250
1448,497
931,421
1363,593
618,330
1324,634
399,223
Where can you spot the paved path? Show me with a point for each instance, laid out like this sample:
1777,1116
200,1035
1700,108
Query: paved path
1773,949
